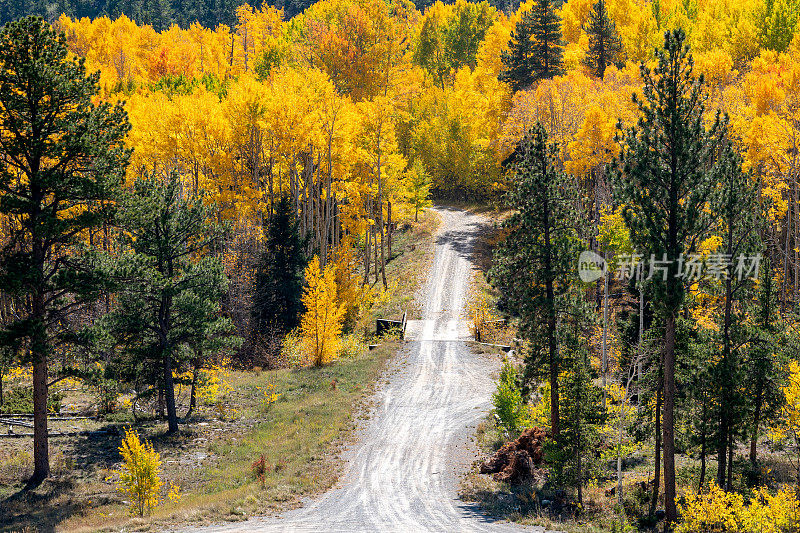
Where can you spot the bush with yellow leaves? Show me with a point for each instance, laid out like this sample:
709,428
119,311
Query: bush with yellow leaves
485,325
321,323
718,511
139,475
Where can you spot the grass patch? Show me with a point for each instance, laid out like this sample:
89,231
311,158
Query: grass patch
211,458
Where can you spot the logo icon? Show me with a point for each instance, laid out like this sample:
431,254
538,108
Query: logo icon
591,266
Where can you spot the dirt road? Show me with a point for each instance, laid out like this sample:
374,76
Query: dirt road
402,475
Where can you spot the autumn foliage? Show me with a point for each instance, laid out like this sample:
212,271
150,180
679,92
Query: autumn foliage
139,475
347,119
321,323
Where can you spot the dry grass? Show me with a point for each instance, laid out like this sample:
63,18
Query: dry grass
211,458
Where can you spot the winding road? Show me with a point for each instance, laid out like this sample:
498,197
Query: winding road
402,474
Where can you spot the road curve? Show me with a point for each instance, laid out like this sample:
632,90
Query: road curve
403,473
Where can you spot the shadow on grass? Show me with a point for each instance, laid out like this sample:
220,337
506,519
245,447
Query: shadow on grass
39,508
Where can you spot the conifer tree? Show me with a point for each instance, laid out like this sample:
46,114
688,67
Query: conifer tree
605,48
764,360
665,178
535,49
279,275
518,61
535,265
581,409
548,43
170,291
733,207
63,161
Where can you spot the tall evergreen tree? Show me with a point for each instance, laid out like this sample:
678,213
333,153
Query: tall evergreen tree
518,63
581,409
548,42
605,48
765,363
733,208
277,301
63,160
535,49
534,266
169,298
665,177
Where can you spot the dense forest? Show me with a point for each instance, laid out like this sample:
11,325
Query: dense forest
190,184
161,14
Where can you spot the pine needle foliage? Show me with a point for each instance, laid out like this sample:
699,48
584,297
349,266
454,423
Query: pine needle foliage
605,47
535,51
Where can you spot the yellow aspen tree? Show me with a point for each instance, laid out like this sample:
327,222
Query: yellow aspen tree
321,323
139,475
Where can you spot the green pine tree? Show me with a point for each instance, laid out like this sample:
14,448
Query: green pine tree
581,415
168,304
277,299
666,175
605,48
734,208
64,159
535,264
536,48
518,62
764,360
548,42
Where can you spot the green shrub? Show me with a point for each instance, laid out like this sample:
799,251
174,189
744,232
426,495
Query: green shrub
20,400
507,400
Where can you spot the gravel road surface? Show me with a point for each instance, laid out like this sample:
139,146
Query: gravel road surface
402,474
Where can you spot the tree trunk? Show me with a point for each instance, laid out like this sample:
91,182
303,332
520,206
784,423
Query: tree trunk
193,392
380,217
657,467
619,451
725,419
729,484
604,361
669,420
756,420
389,227
366,255
639,363
551,323
169,392
579,466
41,452
703,448
722,453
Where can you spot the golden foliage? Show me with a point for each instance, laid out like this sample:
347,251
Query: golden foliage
720,511
139,475
321,323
